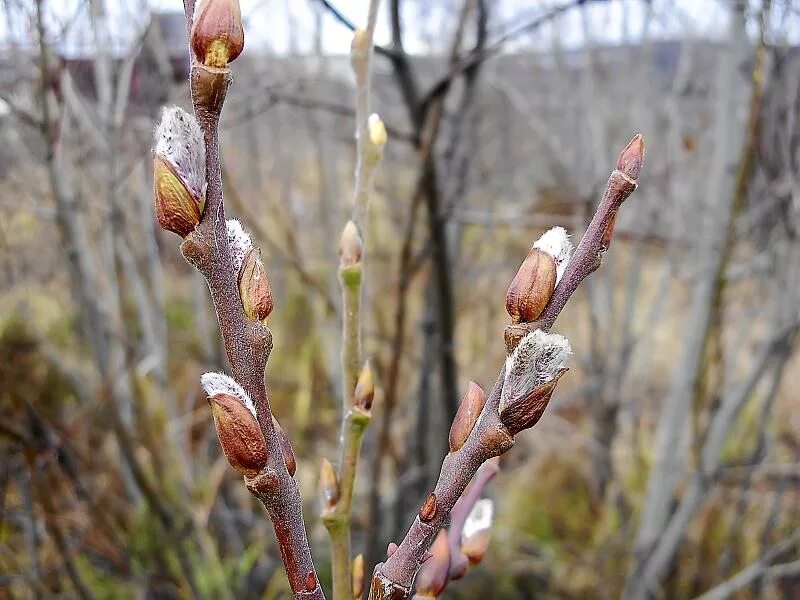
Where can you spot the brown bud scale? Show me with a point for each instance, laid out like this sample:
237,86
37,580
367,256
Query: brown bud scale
428,509
467,416
176,208
239,434
532,286
524,412
254,287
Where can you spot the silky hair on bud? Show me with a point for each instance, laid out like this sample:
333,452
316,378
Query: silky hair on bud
179,140
220,383
479,518
556,243
239,242
535,361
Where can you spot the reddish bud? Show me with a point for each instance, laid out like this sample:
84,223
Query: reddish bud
609,232
286,448
239,434
467,415
428,509
311,581
217,34
254,288
532,286
631,158
391,549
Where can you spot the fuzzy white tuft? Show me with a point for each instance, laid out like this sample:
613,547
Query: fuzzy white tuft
556,243
220,383
534,362
179,140
239,242
479,518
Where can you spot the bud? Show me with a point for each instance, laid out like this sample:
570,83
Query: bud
467,415
239,435
350,247
179,171
328,484
608,234
434,573
365,389
217,34
476,530
357,576
311,581
631,158
377,131
286,447
239,243
428,509
532,287
531,374
254,288
391,548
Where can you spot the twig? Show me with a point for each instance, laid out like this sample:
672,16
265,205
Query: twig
355,413
393,579
247,343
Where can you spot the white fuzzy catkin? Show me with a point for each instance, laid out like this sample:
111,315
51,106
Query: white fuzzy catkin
220,383
239,242
479,518
535,361
556,243
179,140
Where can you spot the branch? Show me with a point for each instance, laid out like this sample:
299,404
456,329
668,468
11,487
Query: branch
357,390
247,343
491,436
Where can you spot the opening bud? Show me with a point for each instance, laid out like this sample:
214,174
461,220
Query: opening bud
286,448
631,158
179,171
254,288
217,33
239,434
377,131
351,247
476,532
555,241
365,389
435,571
467,415
357,576
239,243
531,374
328,484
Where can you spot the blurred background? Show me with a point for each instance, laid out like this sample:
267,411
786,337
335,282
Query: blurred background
669,454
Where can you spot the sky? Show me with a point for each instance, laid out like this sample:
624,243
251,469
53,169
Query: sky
288,25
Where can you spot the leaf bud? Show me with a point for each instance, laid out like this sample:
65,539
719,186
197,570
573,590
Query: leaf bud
434,573
351,247
328,484
254,288
286,448
365,389
466,416
357,576
631,158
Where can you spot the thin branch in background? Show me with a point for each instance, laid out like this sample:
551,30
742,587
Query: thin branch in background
357,384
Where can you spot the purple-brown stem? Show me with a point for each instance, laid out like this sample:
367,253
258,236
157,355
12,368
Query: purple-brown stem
393,580
247,343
